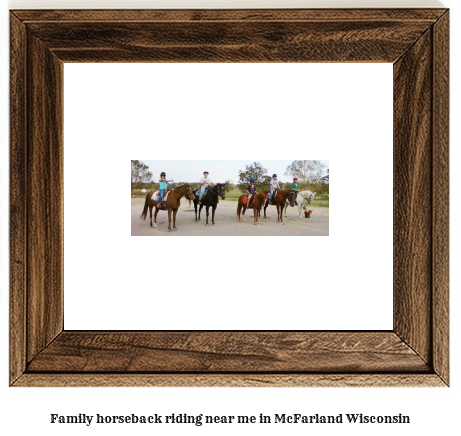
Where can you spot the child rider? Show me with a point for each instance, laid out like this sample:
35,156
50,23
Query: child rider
163,187
204,183
274,186
251,191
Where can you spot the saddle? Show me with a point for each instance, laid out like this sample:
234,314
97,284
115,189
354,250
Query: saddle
295,202
197,194
250,202
157,194
272,200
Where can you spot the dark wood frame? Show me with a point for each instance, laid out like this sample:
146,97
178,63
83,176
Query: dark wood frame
414,353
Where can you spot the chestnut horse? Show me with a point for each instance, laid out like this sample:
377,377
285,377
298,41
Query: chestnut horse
172,204
259,200
279,200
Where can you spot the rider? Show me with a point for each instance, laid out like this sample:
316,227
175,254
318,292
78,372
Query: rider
251,191
274,186
204,183
163,187
294,186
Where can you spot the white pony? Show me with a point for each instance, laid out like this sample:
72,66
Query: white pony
303,197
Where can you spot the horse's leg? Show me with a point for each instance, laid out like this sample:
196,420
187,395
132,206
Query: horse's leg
200,211
195,207
244,210
281,213
150,210
213,210
207,213
286,207
265,207
155,218
175,211
300,207
169,219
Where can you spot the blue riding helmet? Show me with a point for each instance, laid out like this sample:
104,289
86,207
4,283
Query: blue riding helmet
274,175
252,180
206,172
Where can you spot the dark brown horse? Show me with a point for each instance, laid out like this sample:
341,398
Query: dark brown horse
258,203
279,199
172,204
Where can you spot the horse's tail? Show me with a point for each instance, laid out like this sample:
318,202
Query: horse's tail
144,212
239,207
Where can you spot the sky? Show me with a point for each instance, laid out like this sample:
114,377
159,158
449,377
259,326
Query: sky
220,170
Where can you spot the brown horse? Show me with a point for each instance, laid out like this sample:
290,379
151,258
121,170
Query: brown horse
172,204
279,200
258,203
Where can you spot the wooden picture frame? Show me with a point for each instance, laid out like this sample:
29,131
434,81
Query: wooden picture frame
414,353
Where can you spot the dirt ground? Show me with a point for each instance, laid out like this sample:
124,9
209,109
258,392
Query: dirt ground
227,223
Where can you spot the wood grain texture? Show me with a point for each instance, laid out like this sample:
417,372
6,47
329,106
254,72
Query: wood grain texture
413,196
230,380
242,41
44,196
227,352
18,207
440,210
414,354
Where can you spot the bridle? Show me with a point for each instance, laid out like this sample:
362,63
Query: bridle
218,193
187,195
307,198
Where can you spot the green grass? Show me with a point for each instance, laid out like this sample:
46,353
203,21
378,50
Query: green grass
137,193
320,203
233,194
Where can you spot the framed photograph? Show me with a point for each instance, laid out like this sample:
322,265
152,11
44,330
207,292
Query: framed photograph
415,352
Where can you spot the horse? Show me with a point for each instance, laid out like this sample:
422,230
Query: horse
301,199
211,198
172,204
258,203
279,200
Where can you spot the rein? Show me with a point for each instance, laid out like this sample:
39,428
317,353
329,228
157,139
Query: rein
304,198
215,193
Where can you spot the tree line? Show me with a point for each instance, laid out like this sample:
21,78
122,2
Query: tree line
310,174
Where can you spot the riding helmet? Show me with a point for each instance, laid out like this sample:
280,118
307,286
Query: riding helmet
206,172
252,180
274,175
295,178
162,174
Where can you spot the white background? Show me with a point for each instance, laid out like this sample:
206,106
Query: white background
433,411
115,112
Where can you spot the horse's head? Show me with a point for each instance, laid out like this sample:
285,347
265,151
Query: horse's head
292,198
310,197
221,190
260,199
188,191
